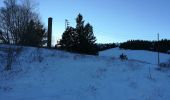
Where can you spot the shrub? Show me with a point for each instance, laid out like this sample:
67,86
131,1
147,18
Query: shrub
123,57
9,55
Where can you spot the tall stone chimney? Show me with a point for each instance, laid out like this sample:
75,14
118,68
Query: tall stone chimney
49,32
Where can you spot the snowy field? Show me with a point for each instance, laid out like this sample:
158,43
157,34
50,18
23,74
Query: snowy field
41,74
139,55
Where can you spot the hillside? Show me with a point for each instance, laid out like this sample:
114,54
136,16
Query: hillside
139,55
42,74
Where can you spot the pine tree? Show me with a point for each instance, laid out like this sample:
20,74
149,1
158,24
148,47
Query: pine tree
80,39
68,41
34,35
87,40
86,37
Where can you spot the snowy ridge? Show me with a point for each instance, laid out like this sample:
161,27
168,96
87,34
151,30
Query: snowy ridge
44,74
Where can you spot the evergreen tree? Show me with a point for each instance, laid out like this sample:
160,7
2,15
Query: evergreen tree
80,39
68,41
87,40
35,35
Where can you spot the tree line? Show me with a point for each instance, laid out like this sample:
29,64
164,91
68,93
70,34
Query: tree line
105,46
162,45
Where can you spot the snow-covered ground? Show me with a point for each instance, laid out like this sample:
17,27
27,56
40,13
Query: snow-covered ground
41,74
140,55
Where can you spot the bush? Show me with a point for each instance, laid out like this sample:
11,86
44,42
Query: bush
9,55
123,57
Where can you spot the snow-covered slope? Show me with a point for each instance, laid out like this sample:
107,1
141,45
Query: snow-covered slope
41,74
140,55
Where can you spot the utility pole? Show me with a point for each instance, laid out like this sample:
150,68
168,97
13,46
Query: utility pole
158,50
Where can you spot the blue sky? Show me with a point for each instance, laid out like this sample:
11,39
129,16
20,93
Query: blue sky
112,20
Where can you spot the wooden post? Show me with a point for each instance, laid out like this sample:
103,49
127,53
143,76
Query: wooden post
49,32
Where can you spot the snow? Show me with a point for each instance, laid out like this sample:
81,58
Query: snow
42,74
140,55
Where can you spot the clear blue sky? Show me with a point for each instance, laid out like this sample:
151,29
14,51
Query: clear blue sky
112,20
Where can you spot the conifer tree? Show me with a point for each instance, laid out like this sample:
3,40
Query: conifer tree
34,35
68,41
80,39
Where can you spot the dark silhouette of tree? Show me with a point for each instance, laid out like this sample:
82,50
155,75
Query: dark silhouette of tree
87,40
137,45
80,39
2,39
105,46
68,40
164,45
34,36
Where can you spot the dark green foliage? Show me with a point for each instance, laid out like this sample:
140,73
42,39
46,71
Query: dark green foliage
106,46
69,41
136,45
80,39
164,45
34,35
87,40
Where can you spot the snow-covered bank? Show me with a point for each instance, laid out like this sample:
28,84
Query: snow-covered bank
140,55
56,75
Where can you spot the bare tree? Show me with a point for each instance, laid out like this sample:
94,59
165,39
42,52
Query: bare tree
15,18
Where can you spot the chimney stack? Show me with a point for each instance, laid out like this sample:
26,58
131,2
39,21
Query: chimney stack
49,32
